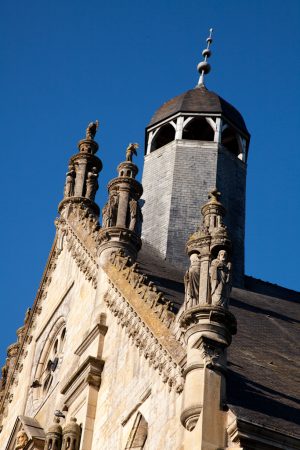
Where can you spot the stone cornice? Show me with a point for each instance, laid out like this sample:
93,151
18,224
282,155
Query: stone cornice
88,373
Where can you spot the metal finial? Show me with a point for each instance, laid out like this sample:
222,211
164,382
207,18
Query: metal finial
203,67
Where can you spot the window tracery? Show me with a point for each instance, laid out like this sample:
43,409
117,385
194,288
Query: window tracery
50,360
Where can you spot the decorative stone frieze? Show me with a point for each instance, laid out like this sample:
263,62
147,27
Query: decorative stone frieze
147,291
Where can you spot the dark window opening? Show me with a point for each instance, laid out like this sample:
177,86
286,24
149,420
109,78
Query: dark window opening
198,129
165,135
230,141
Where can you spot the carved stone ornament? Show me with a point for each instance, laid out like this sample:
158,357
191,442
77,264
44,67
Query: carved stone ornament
92,130
70,182
220,279
130,151
144,339
92,184
22,440
191,281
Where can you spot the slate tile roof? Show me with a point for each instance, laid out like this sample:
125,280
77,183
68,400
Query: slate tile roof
200,100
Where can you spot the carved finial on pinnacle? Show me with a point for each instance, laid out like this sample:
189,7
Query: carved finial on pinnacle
131,150
91,130
214,196
203,67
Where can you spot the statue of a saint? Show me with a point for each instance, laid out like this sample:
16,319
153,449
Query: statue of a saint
92,184
130,151
21,441
91,130
70,181
110,211
136,216
192,281
220,279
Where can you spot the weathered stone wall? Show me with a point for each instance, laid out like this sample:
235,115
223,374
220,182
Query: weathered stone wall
69,296
129,385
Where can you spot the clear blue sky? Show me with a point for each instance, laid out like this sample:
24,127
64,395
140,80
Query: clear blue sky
67,62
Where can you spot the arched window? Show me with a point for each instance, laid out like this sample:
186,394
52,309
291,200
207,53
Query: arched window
138,434
164,135
230,141
198,129
51,357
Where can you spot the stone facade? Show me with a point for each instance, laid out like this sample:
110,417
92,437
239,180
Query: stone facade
118,355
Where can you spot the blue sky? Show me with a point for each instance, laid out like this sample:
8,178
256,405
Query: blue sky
65,63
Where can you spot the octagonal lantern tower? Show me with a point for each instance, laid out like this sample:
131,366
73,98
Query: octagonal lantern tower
194,142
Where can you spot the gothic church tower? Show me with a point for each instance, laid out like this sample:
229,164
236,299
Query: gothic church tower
194,142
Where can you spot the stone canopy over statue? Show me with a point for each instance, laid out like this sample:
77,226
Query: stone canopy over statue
220,279
131,150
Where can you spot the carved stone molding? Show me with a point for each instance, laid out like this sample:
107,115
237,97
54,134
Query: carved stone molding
83,258
88,374
149,345
147,291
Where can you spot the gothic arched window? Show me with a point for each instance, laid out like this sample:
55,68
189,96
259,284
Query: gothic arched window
138,434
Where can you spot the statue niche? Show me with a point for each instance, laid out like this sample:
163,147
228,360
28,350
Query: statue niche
220,279
192,281
110,211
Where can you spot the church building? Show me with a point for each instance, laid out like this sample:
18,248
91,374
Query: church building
145,332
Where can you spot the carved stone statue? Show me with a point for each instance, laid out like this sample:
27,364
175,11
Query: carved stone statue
130,151
110,211
91,130
220,279
92,184
70,181
136,216
22,440
192,281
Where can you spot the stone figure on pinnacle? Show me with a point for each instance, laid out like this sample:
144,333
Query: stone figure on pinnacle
92,130
130,151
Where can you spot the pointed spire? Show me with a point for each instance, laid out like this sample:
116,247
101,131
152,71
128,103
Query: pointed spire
204,67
